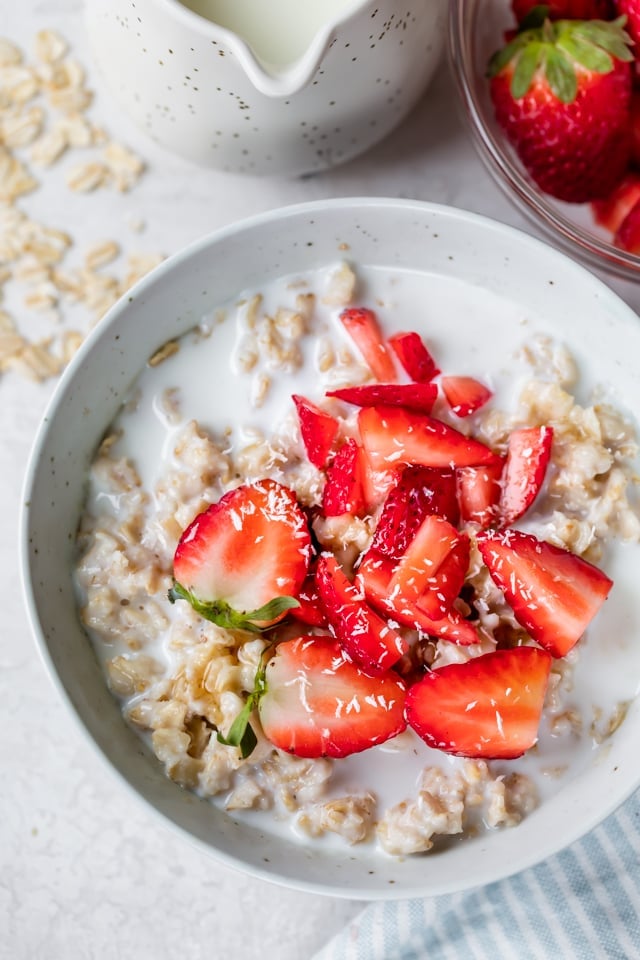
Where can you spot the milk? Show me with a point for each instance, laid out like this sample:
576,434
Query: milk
280,31
447,312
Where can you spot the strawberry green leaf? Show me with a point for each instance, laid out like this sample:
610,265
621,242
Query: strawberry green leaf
501,58
534,18
611,37
241,733
526,66
586,54
220,613
561,76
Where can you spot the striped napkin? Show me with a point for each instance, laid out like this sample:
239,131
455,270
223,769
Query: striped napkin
581,904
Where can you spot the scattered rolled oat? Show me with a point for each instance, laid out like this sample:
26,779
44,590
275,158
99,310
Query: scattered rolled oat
43,117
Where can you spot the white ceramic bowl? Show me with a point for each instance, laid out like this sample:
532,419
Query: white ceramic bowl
484,261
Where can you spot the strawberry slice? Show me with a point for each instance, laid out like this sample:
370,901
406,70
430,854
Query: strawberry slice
464,395
488,707
412,396
554,594
612,210
376,484
318,430
343,491
528,454
319,704
433,568
375,572
394,437
414,357
362,326
367,638
627,237
310,609
479,492
242,561
419,491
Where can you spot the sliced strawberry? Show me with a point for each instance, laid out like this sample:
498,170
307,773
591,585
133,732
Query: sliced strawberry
395,437
310,609
419,491
612,210
319,704
367,638
528,454
414,357
628,236
432,570
318,430
464,395
412,396
375,572
376,484
488,707
343,490
554,594
362,326
241,561
479,492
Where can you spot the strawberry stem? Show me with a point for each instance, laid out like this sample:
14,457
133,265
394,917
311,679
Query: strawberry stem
241,733
220,613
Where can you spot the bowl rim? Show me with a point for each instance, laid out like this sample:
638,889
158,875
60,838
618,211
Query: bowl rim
173,262
510,177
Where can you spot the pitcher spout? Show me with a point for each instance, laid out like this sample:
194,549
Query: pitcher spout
273,80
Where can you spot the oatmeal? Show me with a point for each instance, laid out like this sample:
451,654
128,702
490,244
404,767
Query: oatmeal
359,604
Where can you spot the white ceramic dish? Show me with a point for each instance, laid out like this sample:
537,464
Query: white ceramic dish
484,261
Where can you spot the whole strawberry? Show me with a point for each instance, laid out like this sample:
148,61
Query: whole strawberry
561,92
631,10
564,9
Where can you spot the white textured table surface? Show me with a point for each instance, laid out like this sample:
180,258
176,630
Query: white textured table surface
85,871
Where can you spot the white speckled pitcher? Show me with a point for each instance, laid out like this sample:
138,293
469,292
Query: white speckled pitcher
207,93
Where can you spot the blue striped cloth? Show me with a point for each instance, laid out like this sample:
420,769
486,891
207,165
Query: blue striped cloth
582,904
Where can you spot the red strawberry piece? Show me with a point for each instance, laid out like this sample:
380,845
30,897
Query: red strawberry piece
528,454
362,326
375,573
343,491
413,396
631,10
554,594
433,568
565,9
628,236
612,210
242,553
376,484
310,609
562,93
367,638
464,395
414,357
393,437
318,703
488,707
318,430
635,124
419,491
479,492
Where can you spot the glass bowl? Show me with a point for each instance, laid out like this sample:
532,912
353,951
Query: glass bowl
476,29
